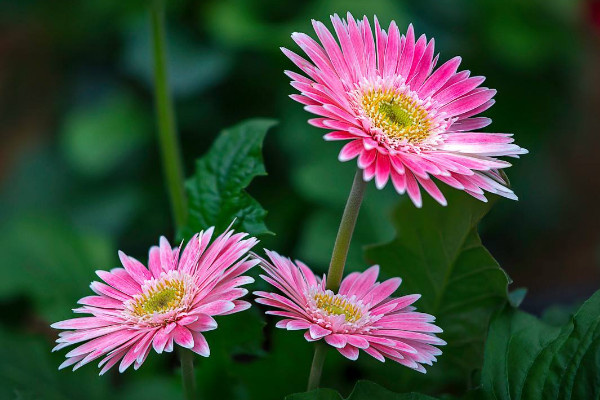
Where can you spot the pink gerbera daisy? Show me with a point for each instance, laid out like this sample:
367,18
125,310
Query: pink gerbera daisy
360,316
171,302
404,119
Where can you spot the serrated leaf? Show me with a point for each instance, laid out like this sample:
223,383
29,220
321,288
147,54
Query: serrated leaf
438,253
527,359
216,191
364,390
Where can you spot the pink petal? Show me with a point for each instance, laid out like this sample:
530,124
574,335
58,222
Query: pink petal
383,291
200,344
298,325
468,103
215,308
317,332
439,77
183,337
351,150
154,261
382,170
336,340
433,190
350,352
412,187
160,340
135,268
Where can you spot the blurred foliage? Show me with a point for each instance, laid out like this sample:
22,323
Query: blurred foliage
81,172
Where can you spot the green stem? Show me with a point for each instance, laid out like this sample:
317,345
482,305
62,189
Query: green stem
338,261
317,366
344,235
171,156
188,377
167,133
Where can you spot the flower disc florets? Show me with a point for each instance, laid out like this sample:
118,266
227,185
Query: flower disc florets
395,116
338,312
162,299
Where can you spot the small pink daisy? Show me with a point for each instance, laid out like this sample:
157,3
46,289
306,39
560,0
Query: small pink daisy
404,119
171,302
360,316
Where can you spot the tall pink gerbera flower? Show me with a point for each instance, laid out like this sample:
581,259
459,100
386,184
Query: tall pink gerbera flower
360,316
171,302
404,119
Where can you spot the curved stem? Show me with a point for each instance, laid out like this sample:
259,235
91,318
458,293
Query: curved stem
187,374
344,235
167,133
317,366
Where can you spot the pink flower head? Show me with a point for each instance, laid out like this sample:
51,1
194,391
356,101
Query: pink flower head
360,316
171,302
404,119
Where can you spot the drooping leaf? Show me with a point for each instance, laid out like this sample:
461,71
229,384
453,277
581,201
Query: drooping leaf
438,253
364,390
216,192
526,358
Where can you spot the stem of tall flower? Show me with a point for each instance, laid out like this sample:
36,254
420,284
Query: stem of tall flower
338,262
167,133
187,374
344,235
171,156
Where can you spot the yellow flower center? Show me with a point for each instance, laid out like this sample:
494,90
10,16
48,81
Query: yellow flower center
338,305
166,296
398,116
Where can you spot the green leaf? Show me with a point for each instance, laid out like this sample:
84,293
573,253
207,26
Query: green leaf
438,253
364,390
216,191
527,359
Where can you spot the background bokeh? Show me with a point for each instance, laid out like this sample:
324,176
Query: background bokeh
80,172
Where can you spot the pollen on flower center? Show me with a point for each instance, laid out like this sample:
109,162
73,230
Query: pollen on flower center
158,298
338,305
397,115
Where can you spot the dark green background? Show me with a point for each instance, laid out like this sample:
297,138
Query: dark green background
81,178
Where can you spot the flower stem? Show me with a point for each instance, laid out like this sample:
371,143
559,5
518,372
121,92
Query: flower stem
338,261
317,366
171,156
167,133
344,235
188,377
